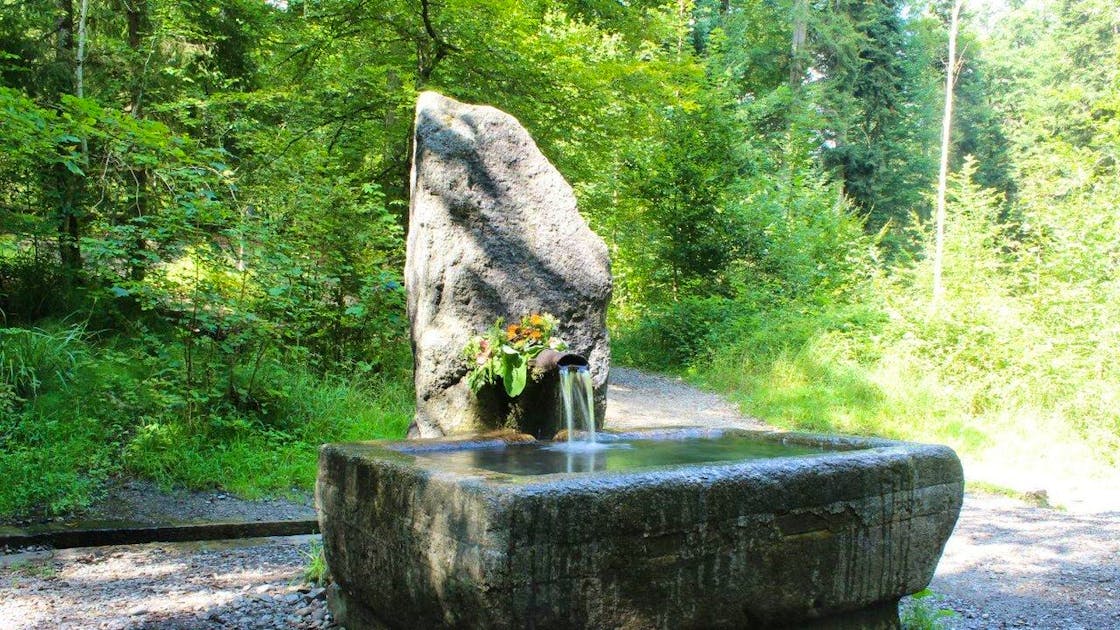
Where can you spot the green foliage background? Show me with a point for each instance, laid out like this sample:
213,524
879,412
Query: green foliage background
201,243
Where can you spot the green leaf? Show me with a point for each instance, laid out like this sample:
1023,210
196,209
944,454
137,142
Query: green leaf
72,166
515,373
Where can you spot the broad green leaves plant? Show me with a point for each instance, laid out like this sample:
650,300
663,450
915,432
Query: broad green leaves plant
505,352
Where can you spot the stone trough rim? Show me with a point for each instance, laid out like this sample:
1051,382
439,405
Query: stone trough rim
845,449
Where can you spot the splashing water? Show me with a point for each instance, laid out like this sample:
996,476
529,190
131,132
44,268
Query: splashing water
578,397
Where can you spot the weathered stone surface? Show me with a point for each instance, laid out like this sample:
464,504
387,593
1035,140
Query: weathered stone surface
493,231
825,541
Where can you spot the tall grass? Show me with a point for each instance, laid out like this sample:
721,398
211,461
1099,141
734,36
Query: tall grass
981,374
278,451
1015,368
34,359
87,411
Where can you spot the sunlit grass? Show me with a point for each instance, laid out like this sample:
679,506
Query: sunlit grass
1009,428
257,461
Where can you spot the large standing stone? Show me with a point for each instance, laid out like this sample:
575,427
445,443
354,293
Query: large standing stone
493,232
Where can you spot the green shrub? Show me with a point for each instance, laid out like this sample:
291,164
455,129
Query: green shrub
120,410
920,612
272,449
674,335
32,286
53,463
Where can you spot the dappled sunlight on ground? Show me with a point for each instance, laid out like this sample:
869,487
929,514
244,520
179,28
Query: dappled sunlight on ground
181,585
1008,563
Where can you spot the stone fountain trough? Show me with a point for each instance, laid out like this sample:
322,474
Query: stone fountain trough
679,529
792,530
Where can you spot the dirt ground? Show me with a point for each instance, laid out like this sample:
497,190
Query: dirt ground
1007,565
246,584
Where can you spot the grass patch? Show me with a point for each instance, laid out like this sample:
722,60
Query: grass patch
1037,498
922,611
256,459
971,383
78,411
59,470
316,572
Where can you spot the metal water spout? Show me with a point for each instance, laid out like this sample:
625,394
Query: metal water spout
576,391
549,360
542,404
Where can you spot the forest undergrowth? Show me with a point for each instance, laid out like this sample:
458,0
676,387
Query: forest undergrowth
1024,389
81,407
203,210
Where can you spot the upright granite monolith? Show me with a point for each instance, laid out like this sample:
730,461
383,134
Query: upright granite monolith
493,232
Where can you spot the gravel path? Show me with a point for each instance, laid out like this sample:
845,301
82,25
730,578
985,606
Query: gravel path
143,502
641,400
242,584
1008,565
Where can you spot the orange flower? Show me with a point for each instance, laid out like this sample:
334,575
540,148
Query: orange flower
513,331
536,319
535,334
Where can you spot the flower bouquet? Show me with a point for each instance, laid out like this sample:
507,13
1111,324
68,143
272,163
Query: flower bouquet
504,352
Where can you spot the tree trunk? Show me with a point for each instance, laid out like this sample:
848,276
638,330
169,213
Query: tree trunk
67,184
137,17
943,171
800,20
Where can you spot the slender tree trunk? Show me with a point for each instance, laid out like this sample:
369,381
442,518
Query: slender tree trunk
67,184
137,17
80,60
800,21
943,171
683,8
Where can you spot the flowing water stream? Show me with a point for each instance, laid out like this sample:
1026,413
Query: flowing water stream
578,397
